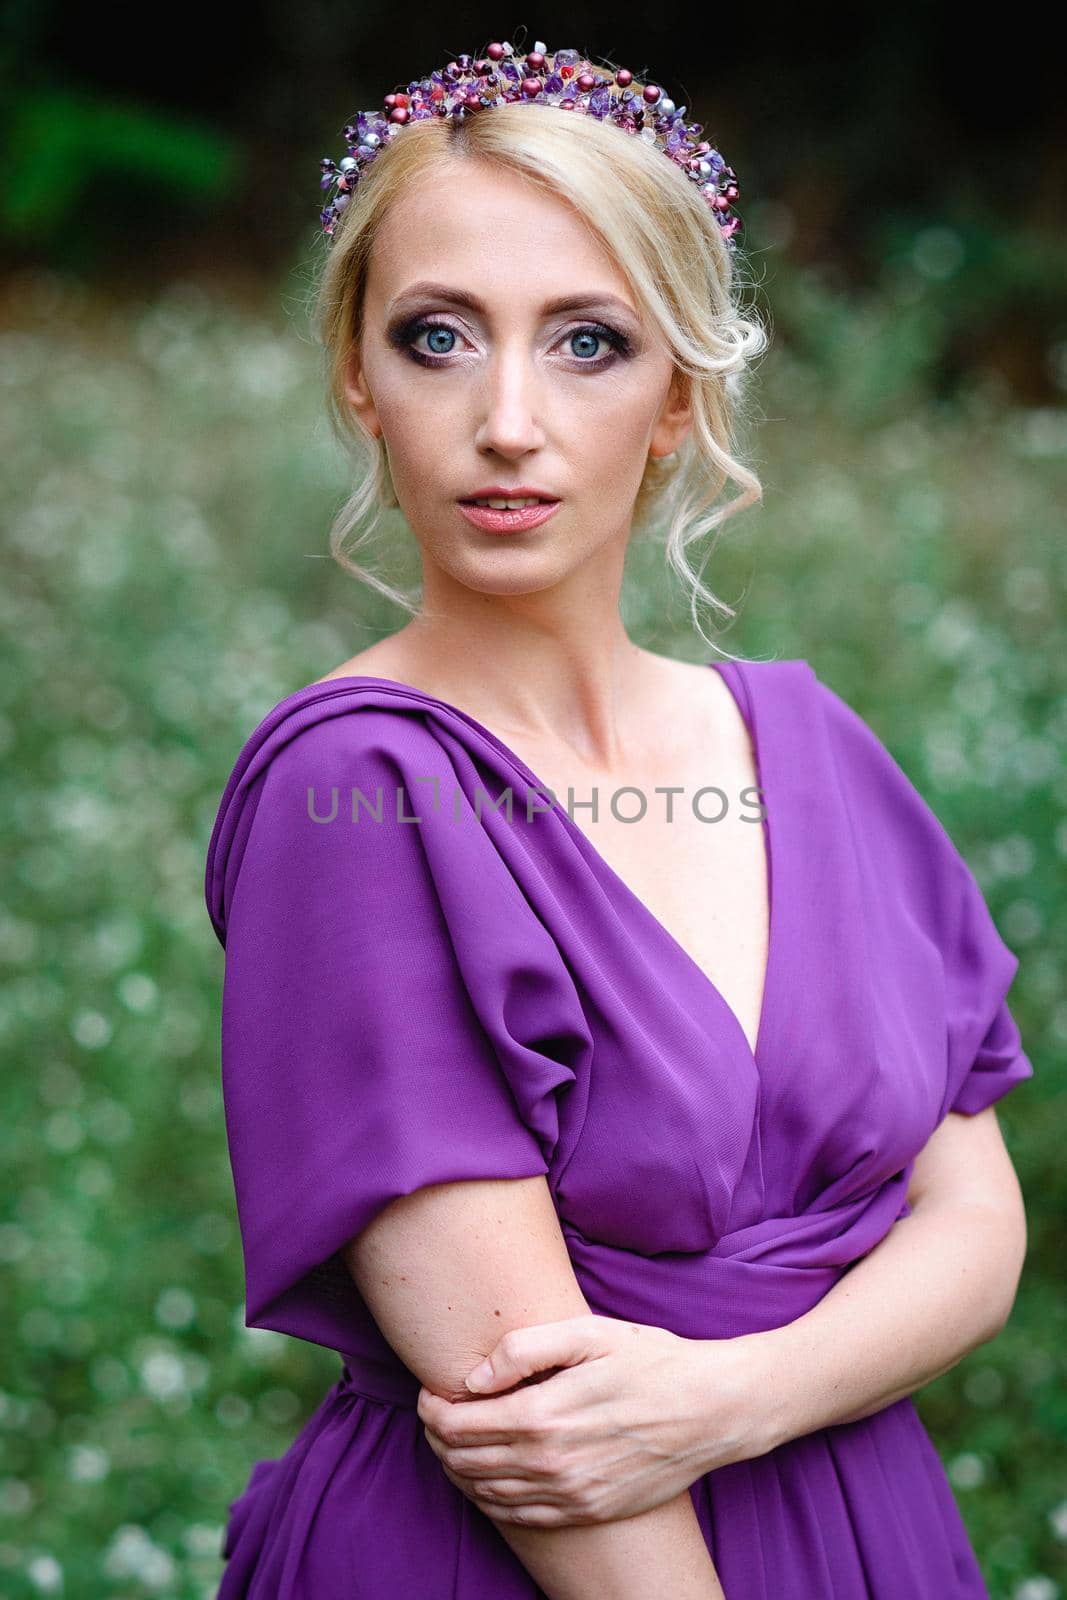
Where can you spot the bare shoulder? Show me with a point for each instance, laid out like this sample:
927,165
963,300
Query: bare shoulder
699,698
680,706
380,660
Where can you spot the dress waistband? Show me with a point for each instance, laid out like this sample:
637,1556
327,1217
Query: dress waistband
695,1296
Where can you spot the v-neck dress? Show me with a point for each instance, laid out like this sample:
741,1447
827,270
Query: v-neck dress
432,975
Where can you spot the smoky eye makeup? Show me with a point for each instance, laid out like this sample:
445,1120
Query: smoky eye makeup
403,332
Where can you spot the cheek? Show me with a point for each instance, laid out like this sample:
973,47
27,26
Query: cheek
606,420
612,446
415,438
603,424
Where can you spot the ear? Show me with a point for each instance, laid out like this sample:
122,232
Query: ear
358,393
675,419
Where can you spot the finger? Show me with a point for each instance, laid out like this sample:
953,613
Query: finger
479,1466
482,1462
498,1420
524,1352
537,1514
502,1483
513,1492
487,1498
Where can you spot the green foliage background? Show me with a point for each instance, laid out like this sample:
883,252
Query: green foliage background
169,483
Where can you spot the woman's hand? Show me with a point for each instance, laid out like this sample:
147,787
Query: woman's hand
624,1417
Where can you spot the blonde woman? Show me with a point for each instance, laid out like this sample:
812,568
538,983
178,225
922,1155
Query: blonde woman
631,1022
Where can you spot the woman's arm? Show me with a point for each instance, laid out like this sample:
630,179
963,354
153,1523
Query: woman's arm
446,1272
941,1283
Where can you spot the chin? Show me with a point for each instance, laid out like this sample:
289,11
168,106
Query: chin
504,578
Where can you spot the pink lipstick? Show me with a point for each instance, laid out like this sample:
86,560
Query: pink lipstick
492,520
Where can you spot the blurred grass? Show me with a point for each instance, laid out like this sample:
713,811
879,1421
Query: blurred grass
169,480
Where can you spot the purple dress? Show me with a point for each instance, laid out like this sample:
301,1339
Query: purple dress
474,995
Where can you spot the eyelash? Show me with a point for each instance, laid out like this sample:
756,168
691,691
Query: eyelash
403,336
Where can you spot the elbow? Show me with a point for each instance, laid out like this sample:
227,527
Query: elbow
446,1388
1012,1258
1000,1321
442,1367
449,1269
993,1242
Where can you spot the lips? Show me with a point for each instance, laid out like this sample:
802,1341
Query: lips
500,520
509,491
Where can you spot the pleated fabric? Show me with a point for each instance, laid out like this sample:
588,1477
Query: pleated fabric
432,975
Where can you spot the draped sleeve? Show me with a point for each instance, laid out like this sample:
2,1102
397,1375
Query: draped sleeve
393,1015
942,909
985,1052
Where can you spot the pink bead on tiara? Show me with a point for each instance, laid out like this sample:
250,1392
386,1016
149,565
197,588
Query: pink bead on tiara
566,79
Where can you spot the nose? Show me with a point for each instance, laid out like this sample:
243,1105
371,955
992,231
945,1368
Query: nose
510,403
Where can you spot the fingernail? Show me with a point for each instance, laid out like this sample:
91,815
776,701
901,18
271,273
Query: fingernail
480,1378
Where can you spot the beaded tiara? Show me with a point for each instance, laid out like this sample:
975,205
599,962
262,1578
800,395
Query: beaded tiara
566,79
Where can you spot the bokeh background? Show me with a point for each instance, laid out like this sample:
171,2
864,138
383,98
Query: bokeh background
168,482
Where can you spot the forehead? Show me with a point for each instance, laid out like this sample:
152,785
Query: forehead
493,232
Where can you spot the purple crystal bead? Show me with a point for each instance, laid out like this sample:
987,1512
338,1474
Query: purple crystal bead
471,83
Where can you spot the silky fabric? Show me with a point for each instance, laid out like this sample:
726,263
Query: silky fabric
432,975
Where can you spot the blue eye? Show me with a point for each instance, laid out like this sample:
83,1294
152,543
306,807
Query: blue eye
439,331
442,342
590,335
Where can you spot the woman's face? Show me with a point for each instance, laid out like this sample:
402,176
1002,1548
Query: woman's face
475,380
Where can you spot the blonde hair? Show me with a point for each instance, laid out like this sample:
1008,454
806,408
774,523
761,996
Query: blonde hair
655,224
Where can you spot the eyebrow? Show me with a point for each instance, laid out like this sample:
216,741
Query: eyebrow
461,297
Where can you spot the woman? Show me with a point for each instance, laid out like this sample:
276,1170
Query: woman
690,1129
